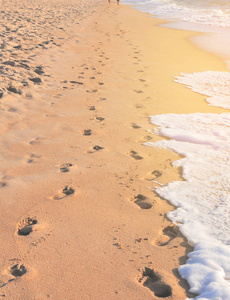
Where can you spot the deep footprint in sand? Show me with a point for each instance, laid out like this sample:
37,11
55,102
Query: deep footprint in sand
153,281
26,226
140,200
18,270
135,155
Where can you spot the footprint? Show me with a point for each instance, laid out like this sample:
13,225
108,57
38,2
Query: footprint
65,167
32,158
139,106
144,139
135,126
97,148
2,184
87,132
25,226
140,200
91,91
153,175
18,270
100,119
35,141
153,281
138,91
135,155
66,191
36,80
167,235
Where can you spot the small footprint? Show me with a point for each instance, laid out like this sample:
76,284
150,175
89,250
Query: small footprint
167,235
140,200
153,175
135,126
65,167
138,91
100,119
66,191
87,132
153,281
95,148
135,155
25,226
32,158
35,141
2,184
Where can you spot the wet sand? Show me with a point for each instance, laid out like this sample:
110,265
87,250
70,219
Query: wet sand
79,215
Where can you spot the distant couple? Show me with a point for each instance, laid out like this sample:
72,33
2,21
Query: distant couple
117,1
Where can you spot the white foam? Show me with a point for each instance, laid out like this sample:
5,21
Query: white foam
216,85
215,13
203,199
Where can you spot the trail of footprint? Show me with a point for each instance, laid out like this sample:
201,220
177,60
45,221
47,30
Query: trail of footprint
153,281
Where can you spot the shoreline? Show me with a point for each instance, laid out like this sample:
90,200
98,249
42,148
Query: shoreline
97,227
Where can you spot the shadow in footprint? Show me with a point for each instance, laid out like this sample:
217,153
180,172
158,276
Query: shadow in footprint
153,281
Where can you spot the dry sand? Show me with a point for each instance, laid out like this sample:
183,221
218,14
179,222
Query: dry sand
79,216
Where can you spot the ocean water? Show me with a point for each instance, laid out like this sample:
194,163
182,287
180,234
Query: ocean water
206,12
202,200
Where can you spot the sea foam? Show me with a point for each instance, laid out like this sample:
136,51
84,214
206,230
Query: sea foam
214,13
203,198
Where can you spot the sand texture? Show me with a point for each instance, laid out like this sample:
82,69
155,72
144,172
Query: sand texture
79,217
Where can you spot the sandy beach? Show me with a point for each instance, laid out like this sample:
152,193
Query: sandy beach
79,215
